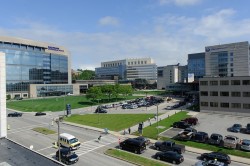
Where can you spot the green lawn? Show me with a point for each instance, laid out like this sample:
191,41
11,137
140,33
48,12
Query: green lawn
57,103
43,130
114,122
151,131
133,158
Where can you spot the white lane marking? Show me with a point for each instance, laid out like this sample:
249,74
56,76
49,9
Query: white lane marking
44,148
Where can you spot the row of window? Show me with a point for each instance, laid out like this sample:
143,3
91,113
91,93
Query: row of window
225,93
137,62
21,46
226,105
112,64
225,82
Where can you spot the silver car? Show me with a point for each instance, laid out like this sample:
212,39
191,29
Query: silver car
245,145
210,163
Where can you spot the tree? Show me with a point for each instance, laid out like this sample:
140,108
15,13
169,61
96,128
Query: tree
140,83
126,89
107,90
84,75
94,93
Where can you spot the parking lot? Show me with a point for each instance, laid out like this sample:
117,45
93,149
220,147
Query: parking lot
215,123
219,123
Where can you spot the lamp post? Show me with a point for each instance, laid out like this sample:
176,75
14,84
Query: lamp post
58,120
146,103
98,110
157,121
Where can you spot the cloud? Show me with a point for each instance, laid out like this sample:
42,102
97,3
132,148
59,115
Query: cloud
168,41
108,20
179,2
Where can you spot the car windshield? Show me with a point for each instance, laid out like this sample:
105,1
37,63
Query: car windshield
236,125
246,142
230,138
215,137
74,140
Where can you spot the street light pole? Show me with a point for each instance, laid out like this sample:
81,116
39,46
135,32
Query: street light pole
58,137
157,122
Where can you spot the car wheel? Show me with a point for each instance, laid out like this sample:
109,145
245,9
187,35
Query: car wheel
157,148
158,158
174,162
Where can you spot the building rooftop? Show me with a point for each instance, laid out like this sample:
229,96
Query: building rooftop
12,154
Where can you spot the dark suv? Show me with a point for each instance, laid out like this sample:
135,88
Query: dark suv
181,124
100,110
67,156
200,137
133,145
216,155
215,139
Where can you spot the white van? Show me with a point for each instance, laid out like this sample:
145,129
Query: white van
69,141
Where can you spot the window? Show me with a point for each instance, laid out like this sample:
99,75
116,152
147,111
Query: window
213,104
131,63
138,62
245,82
224,82
224,93
205,104
246,106
224,105
235,105
203,83
145,62
235,94
135,63
231,64
204,93
128,63
213,93
213,82
141,62
235,82
246,94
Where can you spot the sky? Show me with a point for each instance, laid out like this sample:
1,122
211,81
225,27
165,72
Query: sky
96,31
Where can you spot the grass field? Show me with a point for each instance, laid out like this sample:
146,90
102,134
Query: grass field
151,131
114,122
43,130
56,103
133,158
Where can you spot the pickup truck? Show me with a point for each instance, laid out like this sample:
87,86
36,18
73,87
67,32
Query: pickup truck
231,141
169,146
186,134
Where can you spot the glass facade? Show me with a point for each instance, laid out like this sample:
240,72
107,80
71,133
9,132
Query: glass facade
26,64
53,90
196,65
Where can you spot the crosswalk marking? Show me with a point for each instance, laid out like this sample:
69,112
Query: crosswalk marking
92,145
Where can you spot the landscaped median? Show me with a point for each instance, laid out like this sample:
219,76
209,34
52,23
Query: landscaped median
114,122
43,130
133,158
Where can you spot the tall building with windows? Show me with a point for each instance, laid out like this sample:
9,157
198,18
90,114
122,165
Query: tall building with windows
225,94
128,69
196,65
228,60
171,74
32,62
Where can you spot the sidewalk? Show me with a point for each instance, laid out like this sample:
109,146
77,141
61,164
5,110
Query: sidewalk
146,123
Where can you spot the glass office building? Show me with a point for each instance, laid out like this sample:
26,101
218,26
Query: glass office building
30,62
196,65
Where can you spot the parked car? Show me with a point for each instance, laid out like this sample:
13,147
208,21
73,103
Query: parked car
245,145
216,155
143,139
210,163
133,145
169,156
18,98
125,106
15,114
100,110
200,137
247,130
186,134
215,139
67,156
40,114
181,124
231,141
169,146
191,120
133,106
235,128
169,108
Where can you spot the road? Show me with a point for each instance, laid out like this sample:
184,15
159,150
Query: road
91,151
